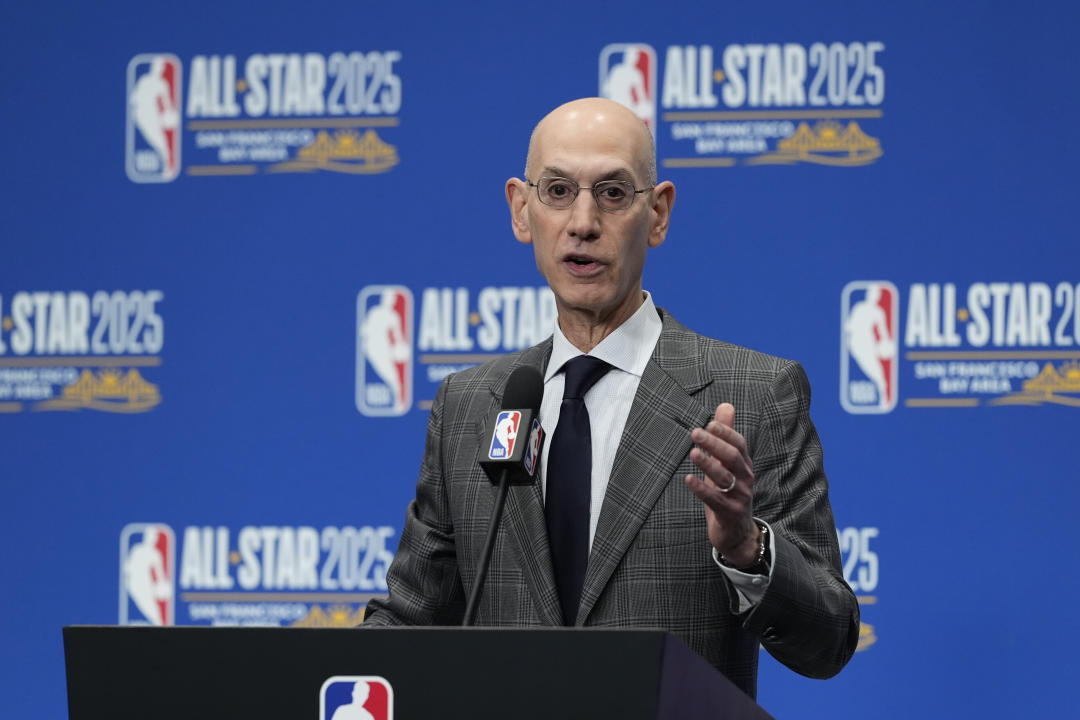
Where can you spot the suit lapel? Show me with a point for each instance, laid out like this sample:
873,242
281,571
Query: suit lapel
524,521
654,442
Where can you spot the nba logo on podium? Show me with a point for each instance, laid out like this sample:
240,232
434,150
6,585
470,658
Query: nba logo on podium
628,76
147,574
505,434
153,118
868,346
384,315
356,697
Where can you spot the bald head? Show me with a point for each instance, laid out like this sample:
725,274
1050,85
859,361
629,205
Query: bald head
596,120
591,251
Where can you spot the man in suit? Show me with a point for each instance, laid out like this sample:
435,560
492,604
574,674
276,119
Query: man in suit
706,503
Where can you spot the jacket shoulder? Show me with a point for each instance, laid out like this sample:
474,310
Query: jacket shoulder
715,356
492,375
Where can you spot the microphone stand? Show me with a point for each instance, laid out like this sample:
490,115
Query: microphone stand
489,545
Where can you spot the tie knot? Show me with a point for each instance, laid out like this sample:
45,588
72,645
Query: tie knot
582,373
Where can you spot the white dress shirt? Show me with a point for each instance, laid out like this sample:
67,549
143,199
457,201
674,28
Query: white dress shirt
627,349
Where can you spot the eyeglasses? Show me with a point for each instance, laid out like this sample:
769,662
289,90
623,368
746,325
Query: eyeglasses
611,195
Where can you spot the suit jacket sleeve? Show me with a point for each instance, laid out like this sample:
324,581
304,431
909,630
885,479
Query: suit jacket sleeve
424,583
808,618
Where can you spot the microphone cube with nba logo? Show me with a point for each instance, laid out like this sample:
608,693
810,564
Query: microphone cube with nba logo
508,450
504,437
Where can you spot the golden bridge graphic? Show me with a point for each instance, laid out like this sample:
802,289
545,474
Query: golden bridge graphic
336,616
346,152
867,637
108,391
828,143
1059,385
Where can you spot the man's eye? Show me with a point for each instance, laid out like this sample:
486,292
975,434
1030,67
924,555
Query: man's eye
613,192
558,189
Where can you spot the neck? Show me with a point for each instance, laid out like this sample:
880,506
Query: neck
585,330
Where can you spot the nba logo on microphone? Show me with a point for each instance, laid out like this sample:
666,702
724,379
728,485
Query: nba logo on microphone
356,697
384,342
628,76
147,574
532,450
868,346
153,118
505,435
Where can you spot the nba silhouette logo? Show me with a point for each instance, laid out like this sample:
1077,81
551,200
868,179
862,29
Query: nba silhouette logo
356,697
868,346
153,118
384,319
628,76
147,572
532,450
504,436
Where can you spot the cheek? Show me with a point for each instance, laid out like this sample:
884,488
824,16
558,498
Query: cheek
634,264
544,233
542,251
635,250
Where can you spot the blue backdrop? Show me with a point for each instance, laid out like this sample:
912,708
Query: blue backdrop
243,243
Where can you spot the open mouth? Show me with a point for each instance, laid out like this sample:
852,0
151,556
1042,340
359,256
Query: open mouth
582,262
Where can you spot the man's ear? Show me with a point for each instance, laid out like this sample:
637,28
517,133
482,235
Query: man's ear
517,196
663,200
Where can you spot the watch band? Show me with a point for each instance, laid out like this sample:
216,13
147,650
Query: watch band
761,563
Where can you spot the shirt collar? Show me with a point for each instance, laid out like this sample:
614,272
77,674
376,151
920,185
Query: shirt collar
627,348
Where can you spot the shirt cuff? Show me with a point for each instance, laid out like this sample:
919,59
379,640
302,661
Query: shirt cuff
749,587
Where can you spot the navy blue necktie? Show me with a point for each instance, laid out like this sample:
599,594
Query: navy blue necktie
569,483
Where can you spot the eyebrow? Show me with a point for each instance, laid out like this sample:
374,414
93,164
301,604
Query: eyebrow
618,174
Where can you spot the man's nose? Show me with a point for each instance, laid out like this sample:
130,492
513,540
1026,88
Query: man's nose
584,221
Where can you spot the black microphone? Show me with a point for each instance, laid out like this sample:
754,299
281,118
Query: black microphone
514,434
511,455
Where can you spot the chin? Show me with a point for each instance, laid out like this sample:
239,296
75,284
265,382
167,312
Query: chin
591,304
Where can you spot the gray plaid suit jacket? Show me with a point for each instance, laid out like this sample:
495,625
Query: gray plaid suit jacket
651,562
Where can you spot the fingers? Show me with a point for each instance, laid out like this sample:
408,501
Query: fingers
724,445
723,459
727,485
719,502
721,475
725,414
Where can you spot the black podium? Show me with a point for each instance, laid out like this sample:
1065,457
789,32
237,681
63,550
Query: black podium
193,672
